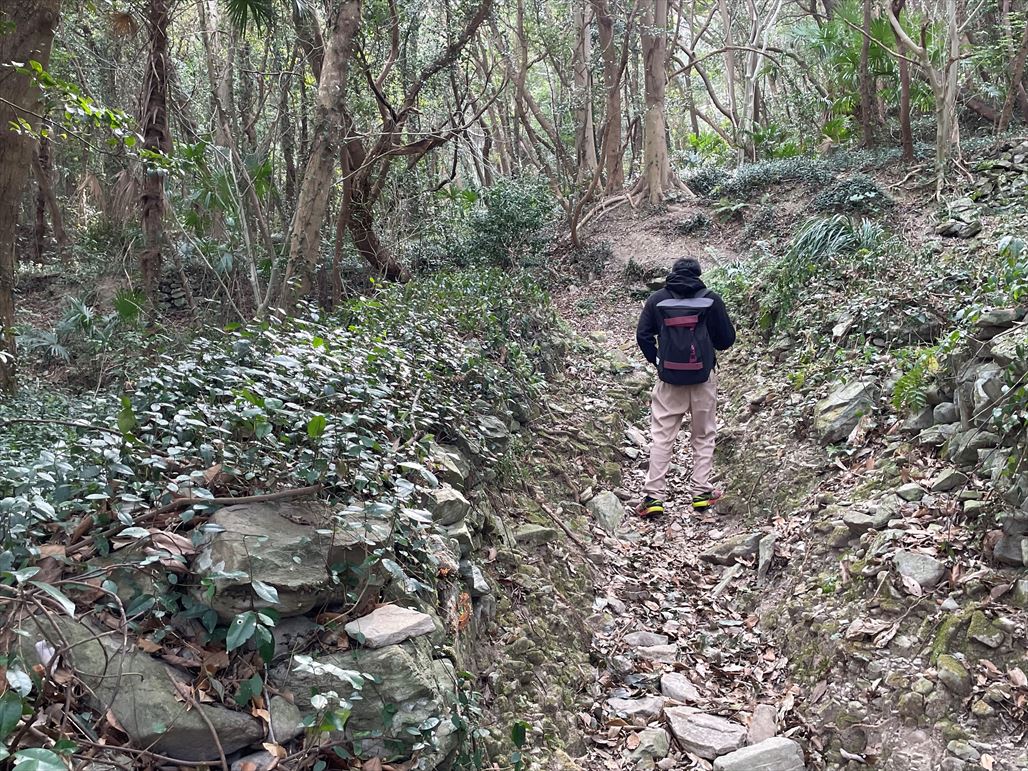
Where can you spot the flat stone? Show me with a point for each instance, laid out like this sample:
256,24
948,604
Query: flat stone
447,505
645,639
1015,522
982,630
963,448
677,686
910,491
533,535
478,585
286,719
921,420
947,480
708,736
775,754
667,654
765,554
924,569
639,711
734,549
450,465
954,675
963,750
938,435
763,724
608,510
389,625
860,522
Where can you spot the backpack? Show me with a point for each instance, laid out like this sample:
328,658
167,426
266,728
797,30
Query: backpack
685,353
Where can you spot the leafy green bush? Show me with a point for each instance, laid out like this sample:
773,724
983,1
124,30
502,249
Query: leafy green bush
858,194
754,178
513,227
706,180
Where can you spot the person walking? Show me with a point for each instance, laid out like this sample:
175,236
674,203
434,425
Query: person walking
680,329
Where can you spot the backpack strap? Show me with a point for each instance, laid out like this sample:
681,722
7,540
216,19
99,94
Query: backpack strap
702,293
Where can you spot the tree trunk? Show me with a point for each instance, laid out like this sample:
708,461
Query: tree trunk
28,35
866,89
657,177
906,132
947,140
156,139
612,157
329,119
47,200
585,139
1016,73
730,69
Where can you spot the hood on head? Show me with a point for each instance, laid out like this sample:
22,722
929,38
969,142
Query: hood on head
684,278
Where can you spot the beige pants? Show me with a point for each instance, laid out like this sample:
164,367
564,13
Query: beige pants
669,404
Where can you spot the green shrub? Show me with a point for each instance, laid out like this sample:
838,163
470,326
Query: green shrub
859,194
755,178
512,228
706,180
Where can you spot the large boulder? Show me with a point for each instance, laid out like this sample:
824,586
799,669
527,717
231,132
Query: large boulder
838,414
289,547
963,447
1010,349
143,694
403,681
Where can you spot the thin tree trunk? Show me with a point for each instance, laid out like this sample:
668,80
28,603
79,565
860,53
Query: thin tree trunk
585,140
329,120
906,132
866,91
612,157
156,139
1016,73
730,69
43,168
28,35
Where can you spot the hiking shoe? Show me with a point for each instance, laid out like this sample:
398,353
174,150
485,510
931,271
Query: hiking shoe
650,507
707,500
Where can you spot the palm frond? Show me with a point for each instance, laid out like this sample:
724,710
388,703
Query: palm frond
260,12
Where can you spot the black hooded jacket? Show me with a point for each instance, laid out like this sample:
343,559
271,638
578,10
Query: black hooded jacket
680,284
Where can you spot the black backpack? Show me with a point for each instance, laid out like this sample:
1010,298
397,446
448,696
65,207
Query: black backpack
685,354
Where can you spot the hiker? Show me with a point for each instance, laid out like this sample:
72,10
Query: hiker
679,330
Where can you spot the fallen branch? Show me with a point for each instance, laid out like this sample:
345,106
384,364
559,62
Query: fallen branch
541,500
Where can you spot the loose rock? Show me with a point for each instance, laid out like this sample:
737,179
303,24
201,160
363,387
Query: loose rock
639,711
775,754
734,549
708,736
763,724
679,687
925,570
645,639
389,625
837,415
608,510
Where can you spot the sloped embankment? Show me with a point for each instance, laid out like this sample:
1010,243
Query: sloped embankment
347,539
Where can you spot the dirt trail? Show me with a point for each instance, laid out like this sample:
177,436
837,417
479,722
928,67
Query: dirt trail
659,577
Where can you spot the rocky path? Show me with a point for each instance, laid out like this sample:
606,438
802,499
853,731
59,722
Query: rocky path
685,678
